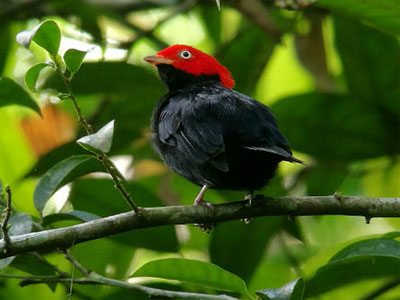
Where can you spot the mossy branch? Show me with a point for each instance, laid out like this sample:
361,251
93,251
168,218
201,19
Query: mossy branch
173,215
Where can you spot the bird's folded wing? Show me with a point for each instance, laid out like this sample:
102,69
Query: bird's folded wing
194,132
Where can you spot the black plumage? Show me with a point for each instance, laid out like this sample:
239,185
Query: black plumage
215,136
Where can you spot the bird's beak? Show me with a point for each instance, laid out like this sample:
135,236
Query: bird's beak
156,59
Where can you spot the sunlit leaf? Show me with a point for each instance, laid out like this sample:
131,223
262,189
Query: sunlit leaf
47,35
193,271
73,59
12,93
63,173
293,290
100,141
32,75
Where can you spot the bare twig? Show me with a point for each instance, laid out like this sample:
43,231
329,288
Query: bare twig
4,224
171,215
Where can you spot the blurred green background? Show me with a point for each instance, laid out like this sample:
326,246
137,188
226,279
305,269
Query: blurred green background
332,80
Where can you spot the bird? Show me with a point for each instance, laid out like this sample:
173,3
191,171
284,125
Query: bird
208,133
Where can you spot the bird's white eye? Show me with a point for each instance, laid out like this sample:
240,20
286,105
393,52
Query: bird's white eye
185,54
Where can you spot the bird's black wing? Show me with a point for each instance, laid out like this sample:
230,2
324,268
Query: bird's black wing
251,125
201,124
188,124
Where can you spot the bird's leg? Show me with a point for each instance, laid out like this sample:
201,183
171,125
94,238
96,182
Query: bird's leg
249,197
199,199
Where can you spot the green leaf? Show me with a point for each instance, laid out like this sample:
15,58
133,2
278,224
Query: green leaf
32,75
381,14
99,142
63,173
2,199
239,247
371,66
73,59
333,127
211,18
99,197
20,223
193,271
13,93
324,178
73,215
35,266
47,35
253,45
293,290
373,258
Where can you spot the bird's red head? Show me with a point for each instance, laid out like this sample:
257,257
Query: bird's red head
192,61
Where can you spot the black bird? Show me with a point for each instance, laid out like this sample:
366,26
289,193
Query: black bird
208,133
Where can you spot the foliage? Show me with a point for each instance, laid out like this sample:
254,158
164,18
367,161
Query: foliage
333,84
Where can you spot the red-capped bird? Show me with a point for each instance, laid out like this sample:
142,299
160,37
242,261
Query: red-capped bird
208,133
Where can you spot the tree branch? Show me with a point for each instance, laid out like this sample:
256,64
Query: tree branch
172,215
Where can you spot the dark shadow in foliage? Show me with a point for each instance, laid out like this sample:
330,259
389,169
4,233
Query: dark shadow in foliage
99,197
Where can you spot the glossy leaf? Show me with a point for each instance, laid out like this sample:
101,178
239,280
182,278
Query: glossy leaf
12,93
32,75
47,35
73,59
61,174
100,141
373,258
333,127
293,290
381,14
19,223
99,197
195,272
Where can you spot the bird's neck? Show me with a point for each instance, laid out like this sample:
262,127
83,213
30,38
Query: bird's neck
176,79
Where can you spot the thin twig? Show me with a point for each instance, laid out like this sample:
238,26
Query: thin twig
109,166
76,263
113,171
4,224
173,215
